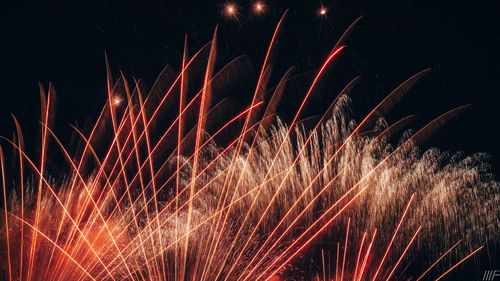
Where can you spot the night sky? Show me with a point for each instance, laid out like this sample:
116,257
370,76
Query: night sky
64,42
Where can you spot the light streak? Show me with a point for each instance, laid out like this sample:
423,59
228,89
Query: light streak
146,202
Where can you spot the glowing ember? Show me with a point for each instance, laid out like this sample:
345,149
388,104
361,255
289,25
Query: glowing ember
231,10
258,8
322,11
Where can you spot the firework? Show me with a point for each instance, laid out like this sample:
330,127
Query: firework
212,193
259,8
231,10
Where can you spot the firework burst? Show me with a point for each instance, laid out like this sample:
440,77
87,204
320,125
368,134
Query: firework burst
175,184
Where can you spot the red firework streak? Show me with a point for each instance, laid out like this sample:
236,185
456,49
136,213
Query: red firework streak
165,202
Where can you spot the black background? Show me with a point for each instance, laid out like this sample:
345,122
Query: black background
64,42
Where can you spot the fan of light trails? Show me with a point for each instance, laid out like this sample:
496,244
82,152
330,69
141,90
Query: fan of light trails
178,184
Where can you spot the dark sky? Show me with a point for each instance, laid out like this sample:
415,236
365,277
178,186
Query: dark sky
64,42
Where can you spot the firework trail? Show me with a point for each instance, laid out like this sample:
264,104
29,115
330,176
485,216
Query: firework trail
176,184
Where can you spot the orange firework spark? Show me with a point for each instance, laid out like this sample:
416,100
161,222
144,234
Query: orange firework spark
230,10
212,192
259,8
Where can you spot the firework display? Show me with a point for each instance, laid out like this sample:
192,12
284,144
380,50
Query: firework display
176,182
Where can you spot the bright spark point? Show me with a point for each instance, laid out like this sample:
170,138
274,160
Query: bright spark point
258,8
231,10
117,101
322,11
